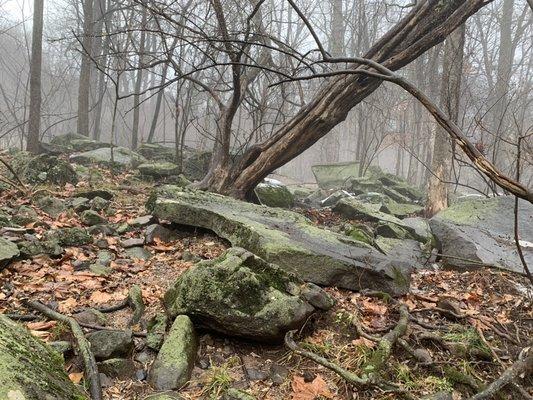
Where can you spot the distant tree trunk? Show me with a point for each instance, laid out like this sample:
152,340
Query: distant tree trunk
138,83
84,85
34,122
100,50
503,76
331,143
450,95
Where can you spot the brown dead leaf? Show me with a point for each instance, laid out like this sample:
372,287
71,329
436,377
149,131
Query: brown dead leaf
75,377
361,341
99,297
302,390
41,325
67,305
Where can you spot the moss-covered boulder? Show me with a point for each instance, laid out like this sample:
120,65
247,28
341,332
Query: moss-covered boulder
195,163
333,176
8,251
50,169
75,142
91,218
120,157
29,369
173,366
240,294
51,205
157,152
69,236
158,169
274,194
478,232
284,238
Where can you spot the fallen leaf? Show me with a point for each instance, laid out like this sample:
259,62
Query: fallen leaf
302,390
75,377
67,305
41,325
100,297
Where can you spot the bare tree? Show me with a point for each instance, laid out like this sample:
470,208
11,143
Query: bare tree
84,86
34,121
452,70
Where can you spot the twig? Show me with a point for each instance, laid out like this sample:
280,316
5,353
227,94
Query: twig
10,168
346,375
91,370
516,235
524,365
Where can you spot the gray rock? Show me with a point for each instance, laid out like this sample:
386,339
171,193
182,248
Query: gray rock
273,193
158,169
160,233
45,168
333,176
406,249
121,368
91,194
62,347
237,394
51,205
478,232
120,157
188,256
156,329
284,238
132,242
92,218
25,215
139,253
141,221
157,152
105,257
69,236
30,369
75,142
8,251
334,198
239,294
33,248
278,374
111,344
91,316
79,204
173,366
99,269
99,204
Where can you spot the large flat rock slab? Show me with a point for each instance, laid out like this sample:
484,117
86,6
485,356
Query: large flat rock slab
285,238
478,232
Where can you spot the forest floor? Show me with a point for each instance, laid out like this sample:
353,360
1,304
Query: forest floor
469,325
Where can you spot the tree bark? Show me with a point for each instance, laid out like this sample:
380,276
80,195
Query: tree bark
138,82
428,24
452,70
84,85
34,122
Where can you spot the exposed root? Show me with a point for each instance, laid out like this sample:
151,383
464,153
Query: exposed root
524,365
91,370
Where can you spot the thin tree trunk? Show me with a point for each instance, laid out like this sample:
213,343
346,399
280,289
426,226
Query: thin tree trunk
449,98
34,122
138,83
85,69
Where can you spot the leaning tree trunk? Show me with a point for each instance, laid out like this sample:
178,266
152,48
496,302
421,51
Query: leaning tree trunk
34,122
450,95
426,25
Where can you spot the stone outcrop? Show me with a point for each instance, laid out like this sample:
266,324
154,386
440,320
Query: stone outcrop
286,239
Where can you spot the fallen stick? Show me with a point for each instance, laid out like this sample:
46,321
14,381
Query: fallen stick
524,365
91,370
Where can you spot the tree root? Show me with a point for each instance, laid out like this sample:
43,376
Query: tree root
91,370
376,363
524,365
134,301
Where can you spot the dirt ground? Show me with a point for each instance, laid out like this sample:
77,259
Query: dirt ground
482,317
